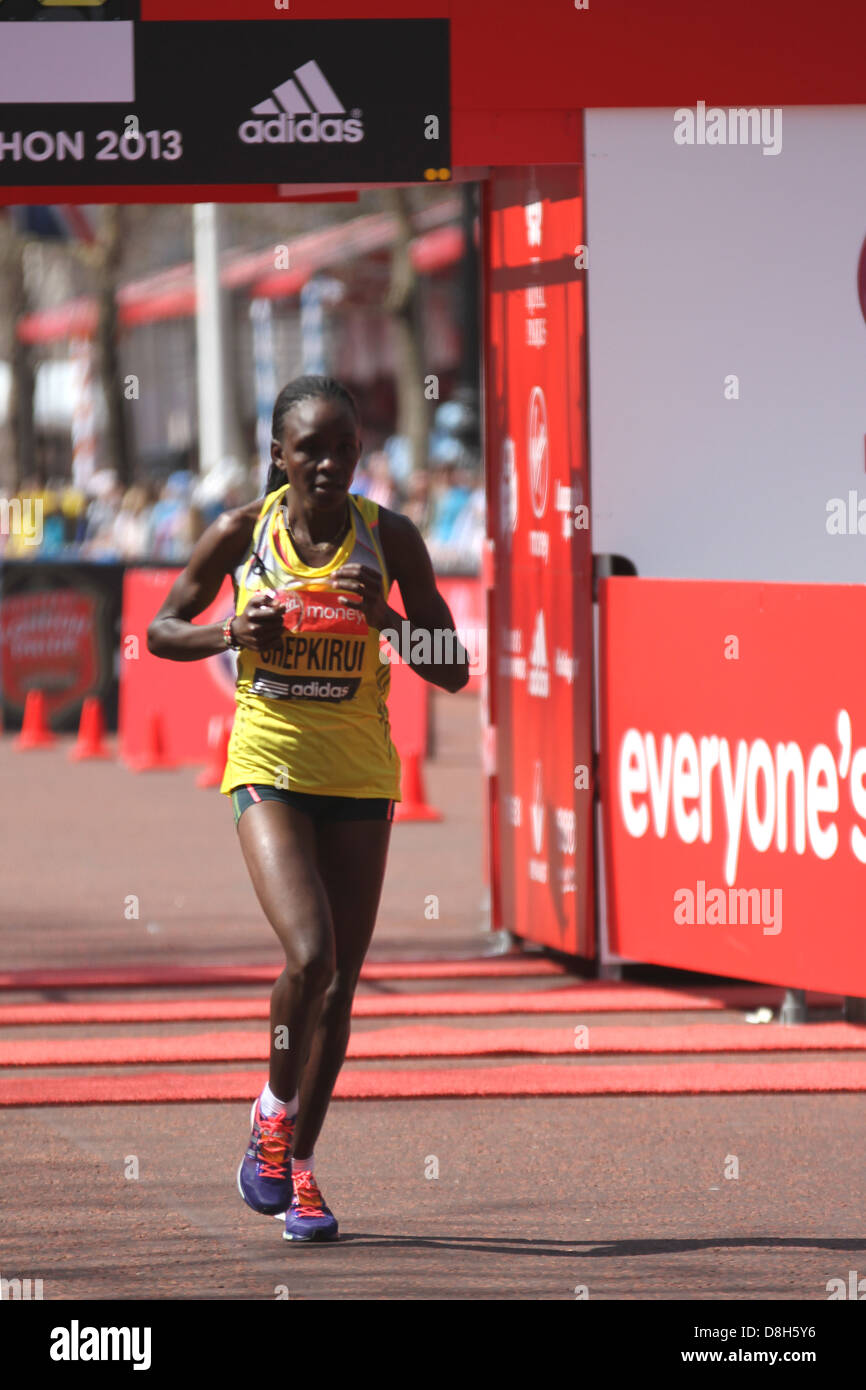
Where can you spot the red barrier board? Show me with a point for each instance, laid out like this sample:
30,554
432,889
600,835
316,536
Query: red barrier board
185,694
465,598
733,778
541,632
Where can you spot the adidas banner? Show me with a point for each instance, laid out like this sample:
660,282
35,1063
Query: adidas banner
349,101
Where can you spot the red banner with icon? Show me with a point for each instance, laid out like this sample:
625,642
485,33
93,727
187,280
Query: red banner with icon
58,634
541,640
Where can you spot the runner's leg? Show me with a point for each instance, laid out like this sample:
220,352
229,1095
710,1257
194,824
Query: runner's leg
352,856
279,846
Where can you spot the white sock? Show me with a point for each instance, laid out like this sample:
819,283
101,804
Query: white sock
269,1104
307,1164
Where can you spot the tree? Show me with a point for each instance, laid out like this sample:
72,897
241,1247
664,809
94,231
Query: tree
105,259
17,445
401,302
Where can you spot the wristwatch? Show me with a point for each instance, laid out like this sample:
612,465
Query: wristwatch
227,634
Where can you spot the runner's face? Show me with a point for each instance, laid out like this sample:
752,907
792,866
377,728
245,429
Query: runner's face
319,450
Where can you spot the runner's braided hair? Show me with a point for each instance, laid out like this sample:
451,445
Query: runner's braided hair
303,388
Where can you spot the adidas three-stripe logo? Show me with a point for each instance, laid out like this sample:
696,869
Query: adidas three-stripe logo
304,109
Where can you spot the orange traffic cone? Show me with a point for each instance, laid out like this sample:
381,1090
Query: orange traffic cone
154,756
91,733
35,732
413,806
218,734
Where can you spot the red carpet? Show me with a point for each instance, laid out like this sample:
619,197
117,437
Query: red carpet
611,997
433,1041
538,1079
151,976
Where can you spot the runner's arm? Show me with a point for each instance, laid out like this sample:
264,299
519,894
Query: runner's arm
426,610
172,633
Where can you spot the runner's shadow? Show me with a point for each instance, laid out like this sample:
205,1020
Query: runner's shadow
593,1249
618,1249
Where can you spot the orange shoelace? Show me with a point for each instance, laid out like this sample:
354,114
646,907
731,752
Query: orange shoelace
308,1199
274,1145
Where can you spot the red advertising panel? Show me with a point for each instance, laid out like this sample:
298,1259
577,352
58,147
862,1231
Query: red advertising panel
538,520
183,694
465,598
733,778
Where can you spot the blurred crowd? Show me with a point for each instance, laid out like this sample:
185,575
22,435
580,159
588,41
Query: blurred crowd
161,521
156,522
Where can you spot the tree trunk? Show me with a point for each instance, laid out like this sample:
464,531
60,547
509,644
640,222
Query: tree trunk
116,452
17,443
401,303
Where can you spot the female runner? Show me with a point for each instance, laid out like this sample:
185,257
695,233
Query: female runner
311,770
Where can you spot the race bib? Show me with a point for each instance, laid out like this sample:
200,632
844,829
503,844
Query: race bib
320,656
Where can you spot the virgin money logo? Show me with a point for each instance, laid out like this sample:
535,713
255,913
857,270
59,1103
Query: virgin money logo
539,462
294,614
308,611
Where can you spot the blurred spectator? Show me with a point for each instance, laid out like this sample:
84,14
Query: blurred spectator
417,505
381,488
131,530
467,535
399,459
456,532
449,498
107,495
361,479
224,486
73,504
171,536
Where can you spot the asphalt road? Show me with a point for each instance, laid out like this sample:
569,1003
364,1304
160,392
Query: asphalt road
609,1198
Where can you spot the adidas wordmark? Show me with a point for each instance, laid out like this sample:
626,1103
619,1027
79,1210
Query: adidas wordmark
305,109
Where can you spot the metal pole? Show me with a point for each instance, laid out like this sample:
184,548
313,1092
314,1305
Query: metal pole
470,354
609,966
217,429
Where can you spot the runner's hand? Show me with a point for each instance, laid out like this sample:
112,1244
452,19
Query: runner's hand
362,586
261,624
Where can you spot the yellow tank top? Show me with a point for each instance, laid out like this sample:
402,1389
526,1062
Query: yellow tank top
312,713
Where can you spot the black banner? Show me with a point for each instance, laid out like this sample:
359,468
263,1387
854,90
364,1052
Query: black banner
306,101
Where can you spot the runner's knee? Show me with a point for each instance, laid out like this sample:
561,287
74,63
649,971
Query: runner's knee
312,965
341,992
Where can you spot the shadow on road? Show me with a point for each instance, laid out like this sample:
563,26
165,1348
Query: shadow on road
593,1249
